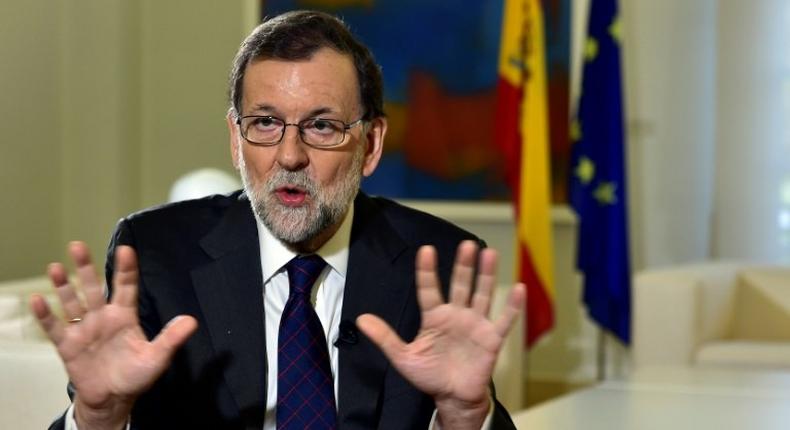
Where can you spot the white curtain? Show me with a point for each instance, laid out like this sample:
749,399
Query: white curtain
752,181
669,59
708,113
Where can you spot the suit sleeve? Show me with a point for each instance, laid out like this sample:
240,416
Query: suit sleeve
121,236
501,418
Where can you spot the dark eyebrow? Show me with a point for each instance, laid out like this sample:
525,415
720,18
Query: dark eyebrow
320,111
263,108
266,109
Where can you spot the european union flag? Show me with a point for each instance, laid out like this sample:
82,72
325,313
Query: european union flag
598,188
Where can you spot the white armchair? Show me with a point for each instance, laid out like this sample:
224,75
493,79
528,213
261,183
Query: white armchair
31,374
712,314
16,320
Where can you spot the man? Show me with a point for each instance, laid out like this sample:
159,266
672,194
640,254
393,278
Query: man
213,281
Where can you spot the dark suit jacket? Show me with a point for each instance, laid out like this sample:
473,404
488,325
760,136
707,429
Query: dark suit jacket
202,258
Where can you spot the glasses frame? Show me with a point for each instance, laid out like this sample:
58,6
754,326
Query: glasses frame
299,126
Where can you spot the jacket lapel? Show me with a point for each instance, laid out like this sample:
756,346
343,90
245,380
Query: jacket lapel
380,281
229,289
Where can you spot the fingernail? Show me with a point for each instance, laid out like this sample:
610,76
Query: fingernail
175,319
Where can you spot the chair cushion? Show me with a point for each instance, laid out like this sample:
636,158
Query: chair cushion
715,303
762,305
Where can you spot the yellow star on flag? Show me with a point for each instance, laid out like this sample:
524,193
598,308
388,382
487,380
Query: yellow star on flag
576,131
616,29
590,49
605,193
585,170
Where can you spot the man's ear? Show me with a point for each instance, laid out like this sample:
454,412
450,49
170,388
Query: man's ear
375,144
233,135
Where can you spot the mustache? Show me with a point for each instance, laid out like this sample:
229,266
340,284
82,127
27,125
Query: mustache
299,179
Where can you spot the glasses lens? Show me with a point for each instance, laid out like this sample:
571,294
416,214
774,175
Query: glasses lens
322,132
262,129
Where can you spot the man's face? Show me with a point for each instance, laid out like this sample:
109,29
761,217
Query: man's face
299,192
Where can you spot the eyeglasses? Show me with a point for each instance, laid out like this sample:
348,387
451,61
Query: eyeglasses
316,132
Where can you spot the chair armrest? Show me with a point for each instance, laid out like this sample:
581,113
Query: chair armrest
34,385
664,320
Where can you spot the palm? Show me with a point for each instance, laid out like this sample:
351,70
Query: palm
453,356
107,356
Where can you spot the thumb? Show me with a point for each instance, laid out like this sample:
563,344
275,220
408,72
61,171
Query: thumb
380,333
175,333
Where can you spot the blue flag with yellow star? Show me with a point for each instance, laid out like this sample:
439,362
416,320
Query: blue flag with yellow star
597,186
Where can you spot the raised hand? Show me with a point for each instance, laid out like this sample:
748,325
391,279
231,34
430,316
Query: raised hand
108,358
453,356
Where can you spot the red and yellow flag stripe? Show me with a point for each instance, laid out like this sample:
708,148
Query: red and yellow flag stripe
523,137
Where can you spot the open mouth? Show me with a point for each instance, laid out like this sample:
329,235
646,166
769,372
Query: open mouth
291,195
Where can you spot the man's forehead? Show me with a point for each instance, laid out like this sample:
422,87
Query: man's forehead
327,80
341,64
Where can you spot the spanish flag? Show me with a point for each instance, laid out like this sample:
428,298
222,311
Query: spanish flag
523,137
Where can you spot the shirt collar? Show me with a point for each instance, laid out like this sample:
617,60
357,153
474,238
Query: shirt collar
275,255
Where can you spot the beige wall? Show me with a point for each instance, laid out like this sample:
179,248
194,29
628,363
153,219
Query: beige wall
105,103
30,169
184,103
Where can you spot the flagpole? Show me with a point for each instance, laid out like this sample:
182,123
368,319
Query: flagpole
525,384
601,355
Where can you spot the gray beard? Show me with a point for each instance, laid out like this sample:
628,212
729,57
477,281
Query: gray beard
299,225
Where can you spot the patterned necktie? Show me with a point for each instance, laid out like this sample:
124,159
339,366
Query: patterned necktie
305,388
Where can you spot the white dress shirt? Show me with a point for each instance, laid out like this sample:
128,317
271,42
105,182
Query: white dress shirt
327,297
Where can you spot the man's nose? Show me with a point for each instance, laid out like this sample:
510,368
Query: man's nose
291,152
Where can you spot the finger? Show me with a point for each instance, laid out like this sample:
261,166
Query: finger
381,334
486,282
429,294
94,291
175,333
515,303
125,277
72,308
463,273
51,324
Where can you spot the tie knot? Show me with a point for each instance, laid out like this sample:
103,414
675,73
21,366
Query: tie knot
303,271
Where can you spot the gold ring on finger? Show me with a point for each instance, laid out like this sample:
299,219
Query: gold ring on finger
75,320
